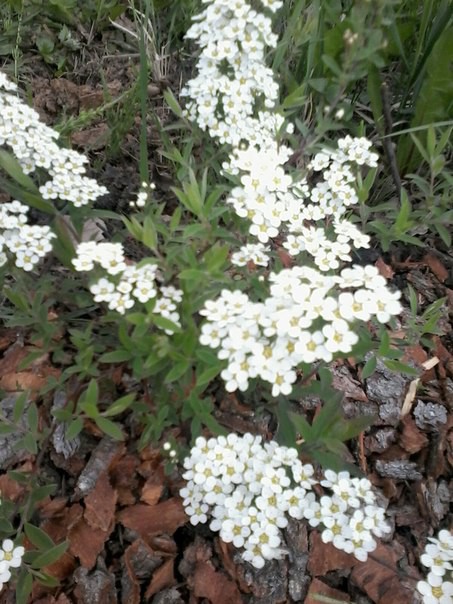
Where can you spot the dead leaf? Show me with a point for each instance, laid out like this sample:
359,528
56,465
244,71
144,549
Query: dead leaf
10,489
57,526
436,266
86,542
100,504
93,139
215,586
123,476
165,517
152,490
384,269
319,588
411,438
163,577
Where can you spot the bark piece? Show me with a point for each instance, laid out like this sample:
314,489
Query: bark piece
324,557
100,505
345,383
213,585
86,543
400,469
319,588
411,438
97,587
164,517
163,577
296,538
382,582
429,416
107,451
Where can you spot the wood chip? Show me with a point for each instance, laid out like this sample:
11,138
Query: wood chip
165,517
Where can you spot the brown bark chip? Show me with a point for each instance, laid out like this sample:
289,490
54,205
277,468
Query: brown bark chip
97,587
324,557
105,454
86,542
163,577
100,505
380,580
318,588
215,586
165,517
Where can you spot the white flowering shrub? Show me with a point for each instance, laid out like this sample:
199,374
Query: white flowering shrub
309,316
126,284
10,557
247,489
438,558
311,312
34,146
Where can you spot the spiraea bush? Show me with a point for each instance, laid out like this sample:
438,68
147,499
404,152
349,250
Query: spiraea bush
252,284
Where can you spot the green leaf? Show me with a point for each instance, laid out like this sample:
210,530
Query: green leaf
369,368
116,356
51,556
209,374
286,432
92,393
32,418
109,428
24,586
172,102
402,220
332,64
215,257
19,406
74,428
399,367
17,299
178,370
42,492
192,274
164,323
6,527
10,164
134,228
119,405
38,537
149,236
27,442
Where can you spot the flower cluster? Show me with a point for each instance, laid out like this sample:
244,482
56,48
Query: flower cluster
232,76
438,557
10,557
143,195
128,283
309,316
312,217
248,489
34,145
26,242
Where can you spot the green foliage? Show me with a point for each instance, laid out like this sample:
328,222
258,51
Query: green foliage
324,439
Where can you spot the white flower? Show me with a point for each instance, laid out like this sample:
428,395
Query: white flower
435,590
10,554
